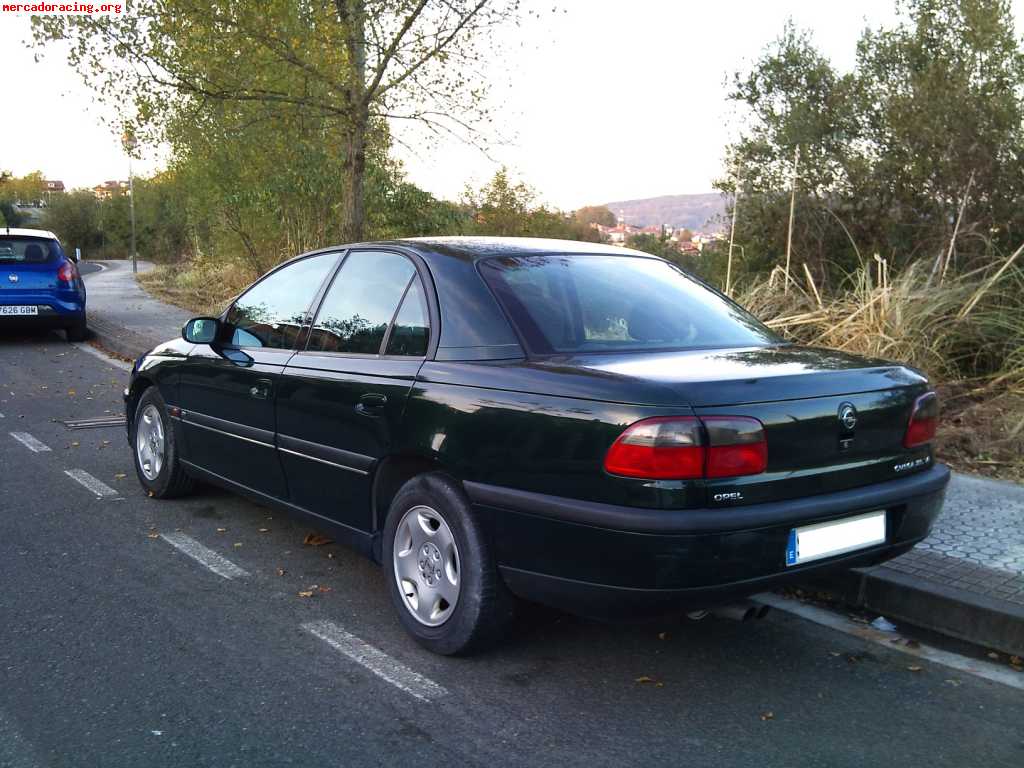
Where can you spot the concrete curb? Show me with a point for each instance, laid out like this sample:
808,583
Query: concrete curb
938,607
120,341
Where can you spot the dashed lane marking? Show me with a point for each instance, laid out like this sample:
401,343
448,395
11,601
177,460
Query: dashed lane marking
30,442
375,660
204,555
101,489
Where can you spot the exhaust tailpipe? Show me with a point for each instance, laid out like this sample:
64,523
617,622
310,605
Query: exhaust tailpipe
744,610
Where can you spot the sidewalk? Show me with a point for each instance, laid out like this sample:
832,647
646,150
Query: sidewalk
966,580
123,318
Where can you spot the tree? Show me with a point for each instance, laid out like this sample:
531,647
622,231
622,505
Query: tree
595,214
360,63
74,218
931,119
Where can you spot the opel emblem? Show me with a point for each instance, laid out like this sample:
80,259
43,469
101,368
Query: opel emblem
847,416
13,278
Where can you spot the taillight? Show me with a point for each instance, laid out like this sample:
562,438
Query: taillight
67,272
924,420
685,448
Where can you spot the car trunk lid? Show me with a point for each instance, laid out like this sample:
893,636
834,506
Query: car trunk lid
832,421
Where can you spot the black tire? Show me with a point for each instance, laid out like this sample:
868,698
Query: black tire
171,480
77,332
485,607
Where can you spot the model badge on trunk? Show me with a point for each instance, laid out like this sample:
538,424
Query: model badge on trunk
13,278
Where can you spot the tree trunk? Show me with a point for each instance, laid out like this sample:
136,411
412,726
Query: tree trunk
353,221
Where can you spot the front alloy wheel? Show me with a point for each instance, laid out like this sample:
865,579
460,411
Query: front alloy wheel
150,442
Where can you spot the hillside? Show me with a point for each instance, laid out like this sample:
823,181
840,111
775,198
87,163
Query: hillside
704,212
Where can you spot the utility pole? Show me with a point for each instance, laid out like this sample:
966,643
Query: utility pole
792,206
732,239
130,143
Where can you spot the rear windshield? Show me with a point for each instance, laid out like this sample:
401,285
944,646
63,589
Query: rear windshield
616,303
17,249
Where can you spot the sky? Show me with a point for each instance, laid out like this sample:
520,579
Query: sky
599,100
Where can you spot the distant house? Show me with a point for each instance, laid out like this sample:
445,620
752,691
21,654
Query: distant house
53,186
109,189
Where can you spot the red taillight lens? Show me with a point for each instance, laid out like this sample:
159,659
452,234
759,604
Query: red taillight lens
736,446
664,448
67,272
924,420
684,447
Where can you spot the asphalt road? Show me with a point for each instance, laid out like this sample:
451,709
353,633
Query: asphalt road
118,649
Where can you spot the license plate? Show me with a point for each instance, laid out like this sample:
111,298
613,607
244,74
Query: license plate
19,310
813,542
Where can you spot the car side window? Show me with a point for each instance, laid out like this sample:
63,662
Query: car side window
360,304
411,331
271,313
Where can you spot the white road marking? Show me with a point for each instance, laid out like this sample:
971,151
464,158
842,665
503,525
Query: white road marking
895,641
30,442
83,347
204,555
375,660
101,489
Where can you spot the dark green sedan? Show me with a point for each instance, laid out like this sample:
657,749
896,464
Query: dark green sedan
574,424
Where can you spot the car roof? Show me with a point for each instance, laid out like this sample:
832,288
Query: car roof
22,232
471,247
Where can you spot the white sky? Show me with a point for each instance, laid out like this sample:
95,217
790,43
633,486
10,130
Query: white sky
603,100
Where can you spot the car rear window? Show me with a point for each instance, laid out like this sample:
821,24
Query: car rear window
616,303
17,249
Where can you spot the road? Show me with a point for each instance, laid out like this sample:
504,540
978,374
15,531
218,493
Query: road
119,649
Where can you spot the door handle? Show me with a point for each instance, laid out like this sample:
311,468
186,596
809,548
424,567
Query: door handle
261,389
371,404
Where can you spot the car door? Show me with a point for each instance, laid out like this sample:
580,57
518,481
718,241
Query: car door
226,390
341,398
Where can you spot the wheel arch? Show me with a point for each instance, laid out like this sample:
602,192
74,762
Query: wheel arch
392,473
139,385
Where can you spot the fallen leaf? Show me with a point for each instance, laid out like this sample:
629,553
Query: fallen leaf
72,392
993,655
767,716
222,530
74,443
1016,661
281,571
914,668
644,679
953,682
306,593
663,635
264,530
153,535
120,476
324,589
330,555
150,494
238,544
316,540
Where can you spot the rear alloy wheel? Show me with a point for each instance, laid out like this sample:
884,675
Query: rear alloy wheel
442,576
154,449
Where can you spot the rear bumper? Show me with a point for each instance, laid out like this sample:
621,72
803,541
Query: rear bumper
608,561
55,310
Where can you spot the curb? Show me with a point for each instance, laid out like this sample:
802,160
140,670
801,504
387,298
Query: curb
944,609
120,341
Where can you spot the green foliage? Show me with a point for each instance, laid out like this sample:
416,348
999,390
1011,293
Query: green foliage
595,214
507,208
932,114
75,218
656,245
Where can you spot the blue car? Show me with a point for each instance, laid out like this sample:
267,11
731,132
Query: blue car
40,286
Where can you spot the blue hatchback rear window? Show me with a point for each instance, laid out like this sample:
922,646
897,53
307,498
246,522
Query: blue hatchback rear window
17,249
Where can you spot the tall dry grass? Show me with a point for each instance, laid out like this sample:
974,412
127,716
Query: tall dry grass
965,328
202,284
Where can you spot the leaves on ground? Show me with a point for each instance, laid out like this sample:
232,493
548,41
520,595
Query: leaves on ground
120,476
915,668
316,540
263,530
153,535
767,716
281,571
222,530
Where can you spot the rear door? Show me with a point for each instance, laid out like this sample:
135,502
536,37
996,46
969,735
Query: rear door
226,390
342,397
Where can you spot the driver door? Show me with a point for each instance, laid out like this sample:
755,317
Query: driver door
227,389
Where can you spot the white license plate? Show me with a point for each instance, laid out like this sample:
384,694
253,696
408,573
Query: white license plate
813,542
19,310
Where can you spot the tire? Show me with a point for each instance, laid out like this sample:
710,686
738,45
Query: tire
154,452
77,332
481,608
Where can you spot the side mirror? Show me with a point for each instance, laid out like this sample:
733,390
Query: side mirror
201,330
